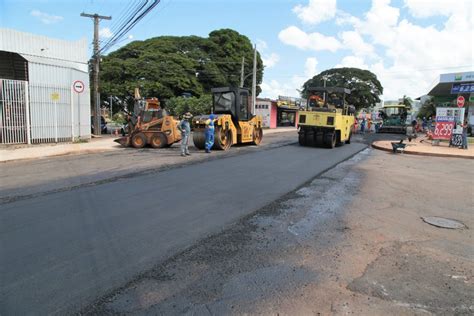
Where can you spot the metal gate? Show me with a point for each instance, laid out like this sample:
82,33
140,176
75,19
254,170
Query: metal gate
14,112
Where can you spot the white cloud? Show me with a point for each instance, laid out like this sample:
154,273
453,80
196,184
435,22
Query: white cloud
310,67
407,57
316,11
353,61
354,41
427,8
273,88
270,60
45,17
308,41
261,45
105,32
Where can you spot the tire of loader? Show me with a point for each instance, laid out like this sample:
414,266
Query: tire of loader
199,139
319,139
158,140
309,139
348,141
222,139
302,138
330,140
138,140
257,136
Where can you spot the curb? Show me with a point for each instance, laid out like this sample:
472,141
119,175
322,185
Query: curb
68,153
423,154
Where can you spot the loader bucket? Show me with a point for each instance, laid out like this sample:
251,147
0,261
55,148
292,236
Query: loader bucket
124,141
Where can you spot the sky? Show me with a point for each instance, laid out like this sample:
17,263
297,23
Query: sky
406,43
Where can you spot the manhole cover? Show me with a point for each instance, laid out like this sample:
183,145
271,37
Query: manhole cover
443,222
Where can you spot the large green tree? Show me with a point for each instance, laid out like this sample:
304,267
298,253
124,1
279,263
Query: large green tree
168,66
364,85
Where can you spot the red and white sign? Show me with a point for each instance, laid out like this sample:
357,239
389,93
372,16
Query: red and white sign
443,130
460,101
78,86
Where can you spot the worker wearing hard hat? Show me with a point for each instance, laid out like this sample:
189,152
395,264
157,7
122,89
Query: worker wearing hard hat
185,127
209,133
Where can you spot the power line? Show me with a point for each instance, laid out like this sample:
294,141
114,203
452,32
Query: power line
138,15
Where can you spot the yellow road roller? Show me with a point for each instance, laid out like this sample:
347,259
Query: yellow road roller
234,123
328,119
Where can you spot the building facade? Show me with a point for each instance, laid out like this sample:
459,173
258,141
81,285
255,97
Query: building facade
44,89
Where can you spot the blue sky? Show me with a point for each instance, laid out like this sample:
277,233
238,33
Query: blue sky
406,43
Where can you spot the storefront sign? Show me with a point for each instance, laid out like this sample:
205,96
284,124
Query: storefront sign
458,88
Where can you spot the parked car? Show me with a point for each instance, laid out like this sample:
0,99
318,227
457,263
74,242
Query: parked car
103,125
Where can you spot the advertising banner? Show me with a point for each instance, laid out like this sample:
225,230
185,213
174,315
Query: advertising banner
446,119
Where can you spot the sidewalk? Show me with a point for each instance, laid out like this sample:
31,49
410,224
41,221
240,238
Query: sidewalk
95,145
423,147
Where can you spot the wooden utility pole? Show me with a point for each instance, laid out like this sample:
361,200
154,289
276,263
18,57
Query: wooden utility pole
95,61
254,79
242,73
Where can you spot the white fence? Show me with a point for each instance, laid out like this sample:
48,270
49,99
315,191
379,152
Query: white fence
39,113
14,116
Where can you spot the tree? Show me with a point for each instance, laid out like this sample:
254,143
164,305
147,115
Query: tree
168,66
406,101
364,85
428,109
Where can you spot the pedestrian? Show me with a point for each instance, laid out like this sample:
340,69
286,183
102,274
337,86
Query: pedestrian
464,134
362,126
185,127
209,133
424,124
369,125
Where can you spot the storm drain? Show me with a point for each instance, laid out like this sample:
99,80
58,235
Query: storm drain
443,222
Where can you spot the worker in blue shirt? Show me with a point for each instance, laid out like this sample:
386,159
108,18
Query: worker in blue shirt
209,133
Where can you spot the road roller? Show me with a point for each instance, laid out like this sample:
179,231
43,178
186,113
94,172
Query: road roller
328,119
234,122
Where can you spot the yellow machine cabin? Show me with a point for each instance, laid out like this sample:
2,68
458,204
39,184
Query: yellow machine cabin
234,123
327,120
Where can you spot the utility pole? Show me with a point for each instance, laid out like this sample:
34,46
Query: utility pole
95,79
254,79
242,72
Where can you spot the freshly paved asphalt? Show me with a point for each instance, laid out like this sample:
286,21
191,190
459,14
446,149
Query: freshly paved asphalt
60,251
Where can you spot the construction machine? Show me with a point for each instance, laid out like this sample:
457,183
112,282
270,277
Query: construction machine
328,119
234,123
394,119
149,124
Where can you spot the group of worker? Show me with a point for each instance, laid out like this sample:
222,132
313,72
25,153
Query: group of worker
185,127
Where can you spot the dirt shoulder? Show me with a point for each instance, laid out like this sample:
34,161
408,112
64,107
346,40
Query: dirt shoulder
351,241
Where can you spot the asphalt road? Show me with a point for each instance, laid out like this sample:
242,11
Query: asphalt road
60,251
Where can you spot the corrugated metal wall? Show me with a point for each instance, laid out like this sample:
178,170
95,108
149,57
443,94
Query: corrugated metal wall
57,112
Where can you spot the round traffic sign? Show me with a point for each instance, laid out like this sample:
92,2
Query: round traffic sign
460,101
78,86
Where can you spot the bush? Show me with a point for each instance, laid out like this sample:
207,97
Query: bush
177,106
120,118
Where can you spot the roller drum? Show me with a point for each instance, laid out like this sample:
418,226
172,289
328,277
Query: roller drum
199,139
